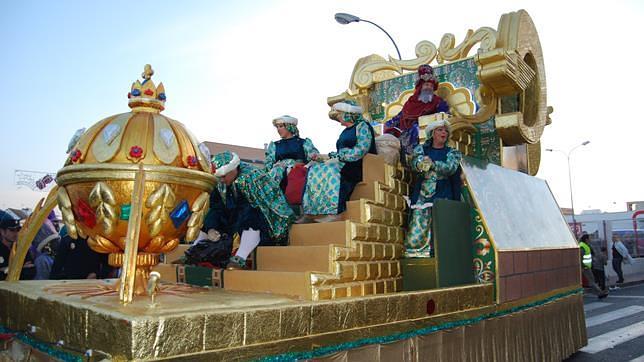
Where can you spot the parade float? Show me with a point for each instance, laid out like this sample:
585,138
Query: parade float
503,282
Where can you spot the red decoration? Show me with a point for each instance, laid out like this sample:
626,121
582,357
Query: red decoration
148,92
85,214
129,95
6,336
76,155
431,307
192,160
136,151
213,169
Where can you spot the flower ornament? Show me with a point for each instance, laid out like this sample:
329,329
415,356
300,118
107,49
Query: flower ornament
192,161
136,152
76,155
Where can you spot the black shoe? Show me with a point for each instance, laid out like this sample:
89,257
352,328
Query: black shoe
602,295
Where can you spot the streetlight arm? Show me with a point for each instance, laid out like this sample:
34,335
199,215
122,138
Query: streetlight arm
390,38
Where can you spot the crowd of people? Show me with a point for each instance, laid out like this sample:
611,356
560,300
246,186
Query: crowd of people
53,254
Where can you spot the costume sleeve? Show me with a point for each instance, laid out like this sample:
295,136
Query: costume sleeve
442,107
215,218
309,149
269,160
393,122
418,159
362,146
449,166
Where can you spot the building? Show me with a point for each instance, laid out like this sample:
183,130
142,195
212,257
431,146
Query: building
251,155
604,227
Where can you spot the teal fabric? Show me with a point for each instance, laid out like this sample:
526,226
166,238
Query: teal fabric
276,168
263,193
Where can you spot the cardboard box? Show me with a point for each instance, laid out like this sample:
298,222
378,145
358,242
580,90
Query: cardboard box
197,275
176,254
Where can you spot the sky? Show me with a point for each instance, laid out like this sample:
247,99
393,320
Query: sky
230,67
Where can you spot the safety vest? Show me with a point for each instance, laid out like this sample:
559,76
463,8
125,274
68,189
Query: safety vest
586,259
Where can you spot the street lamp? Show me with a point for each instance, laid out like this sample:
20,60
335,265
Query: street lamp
344,18
572,204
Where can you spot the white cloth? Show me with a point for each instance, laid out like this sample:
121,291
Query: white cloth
248,243
621,249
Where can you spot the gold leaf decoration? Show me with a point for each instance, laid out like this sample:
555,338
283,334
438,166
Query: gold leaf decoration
101,198
65,205
102,245
199,209
159,203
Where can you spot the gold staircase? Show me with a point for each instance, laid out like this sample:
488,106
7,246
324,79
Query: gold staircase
355,257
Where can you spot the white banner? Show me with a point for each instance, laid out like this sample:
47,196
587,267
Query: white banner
35,180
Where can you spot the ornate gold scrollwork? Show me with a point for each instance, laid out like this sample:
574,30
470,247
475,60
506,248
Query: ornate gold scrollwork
101,198
448,52
159,202
65,205
199,209
517,34
375,68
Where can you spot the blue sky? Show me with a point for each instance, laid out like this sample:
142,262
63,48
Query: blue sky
230,67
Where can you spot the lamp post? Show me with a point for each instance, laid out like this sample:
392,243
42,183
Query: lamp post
344,18
572,204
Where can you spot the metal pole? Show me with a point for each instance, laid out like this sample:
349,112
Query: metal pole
390,38
572,204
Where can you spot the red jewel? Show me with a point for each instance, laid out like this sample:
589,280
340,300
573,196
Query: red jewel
192,160
85,214
76,155
148,92
129,95
213,169
136,151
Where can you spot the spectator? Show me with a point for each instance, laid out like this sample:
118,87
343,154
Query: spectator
75,260
45,244
620,255
9,228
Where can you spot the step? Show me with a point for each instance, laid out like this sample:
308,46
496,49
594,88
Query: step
295,258
380,194
373,168
327,233
364,211
357,289
342,233
293,284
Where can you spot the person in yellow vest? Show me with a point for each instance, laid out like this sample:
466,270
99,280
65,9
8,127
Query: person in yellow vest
586,267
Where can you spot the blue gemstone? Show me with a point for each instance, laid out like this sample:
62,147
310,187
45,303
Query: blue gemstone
136,92
161,96
180,214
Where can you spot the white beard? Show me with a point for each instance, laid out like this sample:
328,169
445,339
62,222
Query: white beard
426,96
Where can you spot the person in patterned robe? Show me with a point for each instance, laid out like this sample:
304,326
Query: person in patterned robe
423,102
247,202
330,183
290,151
437,177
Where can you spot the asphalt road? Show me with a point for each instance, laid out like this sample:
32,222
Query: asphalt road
615,326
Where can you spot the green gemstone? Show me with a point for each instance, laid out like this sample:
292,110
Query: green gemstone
125,211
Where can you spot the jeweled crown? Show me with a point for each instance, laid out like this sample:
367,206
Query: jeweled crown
145,94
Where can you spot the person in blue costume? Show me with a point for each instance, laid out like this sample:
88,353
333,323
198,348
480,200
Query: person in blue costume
437,168
330,184
290,150
422,102
247,202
